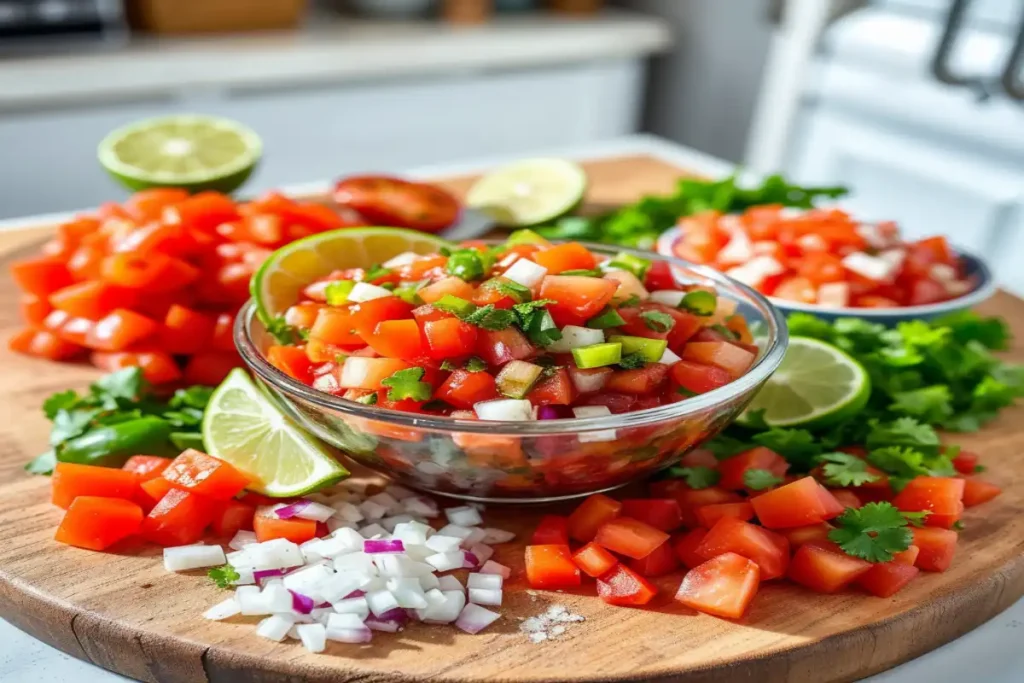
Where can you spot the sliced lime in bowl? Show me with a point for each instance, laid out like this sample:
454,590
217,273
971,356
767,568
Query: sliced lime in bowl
529,192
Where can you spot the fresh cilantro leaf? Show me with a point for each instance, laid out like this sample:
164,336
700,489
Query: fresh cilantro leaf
193,397
631,301
696,477
282,331
874,532
42,464
376,272
978,469
224,576
754,419
475,364
966,326
903,464
67,424
905,431
632,361
186,417
958,526
807,325
967,422
991,395
929,404
759,480
124,385
368,400
536,321
509,288
406,384
842,470
490,318
915,519
658,321
527,308
798,446
724,446
63,400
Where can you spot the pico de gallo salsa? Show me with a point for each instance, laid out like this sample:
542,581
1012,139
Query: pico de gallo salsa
520,331
823,257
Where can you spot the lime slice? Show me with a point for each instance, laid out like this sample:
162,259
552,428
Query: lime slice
242,427
188,151
529,192
816,385
282,276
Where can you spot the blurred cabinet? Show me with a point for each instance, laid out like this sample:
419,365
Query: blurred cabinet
320,132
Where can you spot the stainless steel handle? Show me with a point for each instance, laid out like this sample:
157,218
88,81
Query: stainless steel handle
1012,79
947,43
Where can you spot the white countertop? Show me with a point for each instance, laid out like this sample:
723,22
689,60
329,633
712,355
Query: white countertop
989,654
328,51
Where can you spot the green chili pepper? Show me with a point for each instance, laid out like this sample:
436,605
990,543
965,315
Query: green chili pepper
110,446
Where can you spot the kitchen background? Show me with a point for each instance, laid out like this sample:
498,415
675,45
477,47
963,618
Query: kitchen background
926,130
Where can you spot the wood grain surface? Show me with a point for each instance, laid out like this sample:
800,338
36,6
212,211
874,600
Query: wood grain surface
125,613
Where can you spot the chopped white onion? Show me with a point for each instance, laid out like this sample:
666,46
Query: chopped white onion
598,435
575,337
350,540
629,285
398,492
444,562
309,581
421,506
360,563
381,602
474,618
505,409
390,523
347,628
348,512
485,596
407,593
357,606
443,543
669,297
429,581
245,577
223,610
242,539
668,357
589,380
412,533
812,242
497,536
525,272
492,567
460,532
871,267
364,291
403,259
374,531
489,581
313,636
449,583
386,501
418,552
482,552
318,512
274,627
279,553
463,516
249,600
372,510
277,599
185,557
454,603
834,294
737,250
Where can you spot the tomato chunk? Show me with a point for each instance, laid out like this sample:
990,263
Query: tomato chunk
723,586
936,548
146,467
577,297
708,515
887,578
71,480
178,519
698,377
398,339
730,535
463,389
96,523
550,567
232,517
966,462
660,561
941,496
621,586
269,526
591,515
797,504
824,568
630,537
723,355
798,535
977,492
594,560
552,530
686,547
203,474
733,469
660,513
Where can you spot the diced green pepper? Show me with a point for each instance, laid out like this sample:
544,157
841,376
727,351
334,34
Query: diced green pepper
409,293
466,264
699,302
337,292
650,349
597,355
626,261
608,317
457,306
542,329
524,237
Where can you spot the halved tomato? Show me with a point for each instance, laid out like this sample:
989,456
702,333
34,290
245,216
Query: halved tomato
384,200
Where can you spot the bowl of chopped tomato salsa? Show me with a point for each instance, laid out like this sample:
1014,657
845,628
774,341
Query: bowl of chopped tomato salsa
520,370
825,262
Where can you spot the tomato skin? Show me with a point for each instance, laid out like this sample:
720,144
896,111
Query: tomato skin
977,492
662,560
146,467
91,299
723,586
203,212
186,330
622,586
640,381
797,504
550,567
824,568
966,462
154,489
210,477
659,277
936,548
686,546
232,517
501,346
42,344
554,390
336,326
942,496
120,330
630,537
691,499
96,523
292,361
454,286
551,530
157,368
71,480
211,367
450,338
384,200
268,526
585,521
463,389
708,515
885,579
724,355
577,296
178,519
734,468
732,535
565,256
33,309
366,315
594,560
699,378
42,276
661,513
398,339
811,533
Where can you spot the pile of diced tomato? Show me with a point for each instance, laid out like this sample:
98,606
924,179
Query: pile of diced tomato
155,282
729,539
433,315
823,257
166,502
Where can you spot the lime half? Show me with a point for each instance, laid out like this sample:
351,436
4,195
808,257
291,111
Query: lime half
816,385
282,276
242,427
529,192
187,151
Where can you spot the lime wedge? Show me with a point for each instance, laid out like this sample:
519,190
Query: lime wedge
282,276
529,192
242,427
816,385
188,151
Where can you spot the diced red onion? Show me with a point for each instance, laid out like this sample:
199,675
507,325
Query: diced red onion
470,561
553,412
396,614
475,618
291,510
303,604
261,574
373,546
387,625
355,594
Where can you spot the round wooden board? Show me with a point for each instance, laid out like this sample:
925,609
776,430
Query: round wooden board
125,613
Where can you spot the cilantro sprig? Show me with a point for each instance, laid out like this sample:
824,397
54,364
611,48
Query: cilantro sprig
696,477
874,532
224,576
842,469
406,384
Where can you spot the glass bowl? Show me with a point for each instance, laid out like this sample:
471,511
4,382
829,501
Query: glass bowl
539,461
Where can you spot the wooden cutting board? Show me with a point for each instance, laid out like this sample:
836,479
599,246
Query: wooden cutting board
125,613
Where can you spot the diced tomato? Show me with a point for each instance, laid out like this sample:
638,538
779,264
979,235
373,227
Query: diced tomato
617,403
724,355
708,515
591,515
577,296
887,578
691,499
96,523
659,562
641,381
566,256
463,389
398,339
621,586
699,378
846,498
977,492
966,462
659,277
630,537
550,567
501,346
33,309
208,476
269,526
232,517
71,480
336,326
551,530
554,390
178,519
156,488
366,315
157,368
42,344
759,458
454,286
186,330
908,556
42,276
209,368
203,211
798,289
941,496
91,299
146,467
937,547
699,457
119,330
824,568
798,535
731,535
797,504
660,513
223,335
723,586
450,338
594,560
686,546
292,361
701,238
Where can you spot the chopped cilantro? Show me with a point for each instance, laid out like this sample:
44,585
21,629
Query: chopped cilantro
508,288
406,384
368,400
633,361
223,576
798,446
696,477
759,480
376,272
282,331
874,532
474,364
631,301
842,469
490,318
